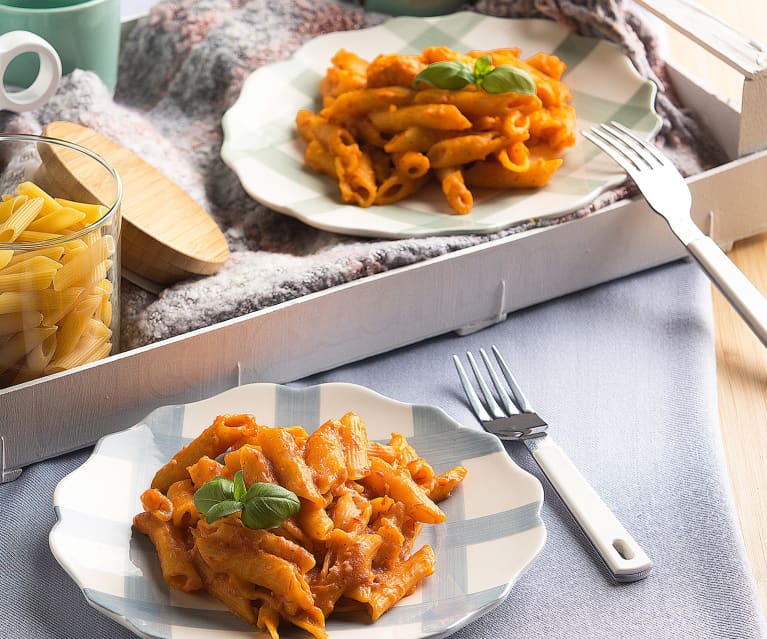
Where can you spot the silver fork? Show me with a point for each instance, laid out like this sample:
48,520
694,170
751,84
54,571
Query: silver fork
517,420
667,194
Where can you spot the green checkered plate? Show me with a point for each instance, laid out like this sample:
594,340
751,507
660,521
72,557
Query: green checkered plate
488,539
262,147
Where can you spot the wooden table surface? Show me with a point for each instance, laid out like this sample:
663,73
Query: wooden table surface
741,358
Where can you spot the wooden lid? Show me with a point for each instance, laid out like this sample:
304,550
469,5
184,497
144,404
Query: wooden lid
166,236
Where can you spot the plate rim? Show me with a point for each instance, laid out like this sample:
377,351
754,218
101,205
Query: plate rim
228,153
127,622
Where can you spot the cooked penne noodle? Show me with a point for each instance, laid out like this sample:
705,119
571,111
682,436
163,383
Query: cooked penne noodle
492,175
378,108
397,187
444,117
464,149
411,163
456,192
352,545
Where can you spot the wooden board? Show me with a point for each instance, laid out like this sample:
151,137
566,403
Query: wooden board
166,235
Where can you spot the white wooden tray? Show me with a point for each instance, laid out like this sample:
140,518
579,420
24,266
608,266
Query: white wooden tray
466,289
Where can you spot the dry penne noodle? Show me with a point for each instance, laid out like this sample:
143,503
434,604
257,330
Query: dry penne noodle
58,220
36,360
32,191
20,219
84,268
92,212
52,252
55,284
383,105
20,344
16,322
351,540
9,203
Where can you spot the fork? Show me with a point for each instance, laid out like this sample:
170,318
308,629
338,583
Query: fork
667,194
517,420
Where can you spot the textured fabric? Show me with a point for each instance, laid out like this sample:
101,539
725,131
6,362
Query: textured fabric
183,66
624,374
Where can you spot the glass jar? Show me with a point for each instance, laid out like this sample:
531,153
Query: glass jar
59,257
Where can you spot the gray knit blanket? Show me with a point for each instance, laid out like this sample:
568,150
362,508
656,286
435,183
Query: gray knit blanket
183,66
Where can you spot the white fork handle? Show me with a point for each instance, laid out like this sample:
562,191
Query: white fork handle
744,297
623,556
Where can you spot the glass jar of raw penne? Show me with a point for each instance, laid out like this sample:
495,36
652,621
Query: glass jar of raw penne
59,257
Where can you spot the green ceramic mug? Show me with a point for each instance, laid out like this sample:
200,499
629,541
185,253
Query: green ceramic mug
85,34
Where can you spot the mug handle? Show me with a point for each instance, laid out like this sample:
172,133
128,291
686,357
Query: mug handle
13,44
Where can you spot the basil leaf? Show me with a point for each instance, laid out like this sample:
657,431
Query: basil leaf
239,486
445,75
506,78
268,505
482,67
222,509
211,493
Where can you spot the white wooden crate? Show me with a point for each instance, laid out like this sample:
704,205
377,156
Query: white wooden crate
456,292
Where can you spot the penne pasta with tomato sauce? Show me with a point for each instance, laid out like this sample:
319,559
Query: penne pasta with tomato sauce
401,130
348,542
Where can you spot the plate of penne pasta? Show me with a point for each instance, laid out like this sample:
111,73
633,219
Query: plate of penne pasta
431,126
320,511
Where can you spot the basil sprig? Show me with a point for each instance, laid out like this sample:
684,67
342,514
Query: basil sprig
453,75
262,505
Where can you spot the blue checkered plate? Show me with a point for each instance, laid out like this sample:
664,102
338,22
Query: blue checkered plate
488,540
261,145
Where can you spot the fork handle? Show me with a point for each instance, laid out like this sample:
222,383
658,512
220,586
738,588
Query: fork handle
622,555
744,297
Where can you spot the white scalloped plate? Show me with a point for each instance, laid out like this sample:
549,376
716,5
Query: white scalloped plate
490,537
261,145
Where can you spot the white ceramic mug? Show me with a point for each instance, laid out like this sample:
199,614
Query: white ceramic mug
13,44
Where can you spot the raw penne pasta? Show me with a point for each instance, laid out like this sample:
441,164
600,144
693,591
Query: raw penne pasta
52,252
93,212
32,280
16,322
58,220
20,344
9,204
32,191
87,266
19,219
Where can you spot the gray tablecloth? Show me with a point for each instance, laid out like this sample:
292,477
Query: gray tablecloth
625,375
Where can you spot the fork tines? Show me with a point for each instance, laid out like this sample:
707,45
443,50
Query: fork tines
516,419
625,147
